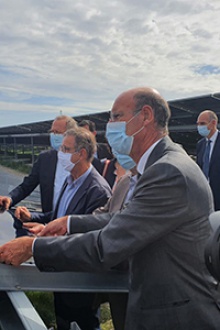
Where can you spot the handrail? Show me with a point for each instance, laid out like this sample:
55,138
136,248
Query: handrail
16,311
28,277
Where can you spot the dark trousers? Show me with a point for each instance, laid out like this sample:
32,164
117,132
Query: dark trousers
118,306
75,307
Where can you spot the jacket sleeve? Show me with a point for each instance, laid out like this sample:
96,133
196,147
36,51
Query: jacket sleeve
84,223
41,217
29,183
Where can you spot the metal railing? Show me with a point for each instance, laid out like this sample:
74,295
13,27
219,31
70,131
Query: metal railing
17,312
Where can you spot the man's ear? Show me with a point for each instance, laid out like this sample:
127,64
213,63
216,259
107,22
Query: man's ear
83,153
148,114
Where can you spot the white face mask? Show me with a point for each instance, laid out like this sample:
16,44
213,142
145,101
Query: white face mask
65,160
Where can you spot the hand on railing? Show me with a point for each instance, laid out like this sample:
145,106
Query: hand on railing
16,251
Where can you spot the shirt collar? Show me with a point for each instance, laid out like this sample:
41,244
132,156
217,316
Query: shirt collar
80,179
144,158
213,137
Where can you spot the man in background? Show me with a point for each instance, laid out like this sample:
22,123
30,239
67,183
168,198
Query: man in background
208,151
103,160
103,151
47,172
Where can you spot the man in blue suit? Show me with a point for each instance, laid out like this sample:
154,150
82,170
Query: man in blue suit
83,191
207,127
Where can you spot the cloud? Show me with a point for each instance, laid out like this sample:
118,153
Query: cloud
80,55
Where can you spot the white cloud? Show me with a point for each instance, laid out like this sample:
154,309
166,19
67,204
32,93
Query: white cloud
84,53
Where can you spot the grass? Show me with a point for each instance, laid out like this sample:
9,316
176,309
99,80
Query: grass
17,166
43,303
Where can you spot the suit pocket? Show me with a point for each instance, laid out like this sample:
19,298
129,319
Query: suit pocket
161,305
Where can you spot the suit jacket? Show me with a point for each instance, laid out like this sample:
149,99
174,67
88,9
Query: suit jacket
163,230
93,193
214,167
116,202
43,174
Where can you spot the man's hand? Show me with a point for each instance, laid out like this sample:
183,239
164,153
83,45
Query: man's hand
16,251
5,203
56,227
33,227
22,214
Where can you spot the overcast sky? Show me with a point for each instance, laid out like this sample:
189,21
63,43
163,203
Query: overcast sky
77,56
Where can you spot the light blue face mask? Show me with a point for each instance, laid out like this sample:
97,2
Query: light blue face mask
56,140
117,137
203,130
124,160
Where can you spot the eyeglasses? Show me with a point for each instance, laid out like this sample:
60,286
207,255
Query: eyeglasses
67,150
55,132
117,116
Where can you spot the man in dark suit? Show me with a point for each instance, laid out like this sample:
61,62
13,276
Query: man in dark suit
103,159
46,172
163,230
207,127
103,151
83,191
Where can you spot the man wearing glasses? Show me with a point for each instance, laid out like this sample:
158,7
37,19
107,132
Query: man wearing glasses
49,178
83,191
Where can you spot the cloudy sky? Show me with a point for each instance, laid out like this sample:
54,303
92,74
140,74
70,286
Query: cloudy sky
77,56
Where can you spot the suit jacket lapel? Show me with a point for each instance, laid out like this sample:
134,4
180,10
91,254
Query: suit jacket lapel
51,178
53,163
54,216
215,151
157,151
79,194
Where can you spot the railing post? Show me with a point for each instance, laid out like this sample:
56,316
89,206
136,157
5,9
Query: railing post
17,312
74,326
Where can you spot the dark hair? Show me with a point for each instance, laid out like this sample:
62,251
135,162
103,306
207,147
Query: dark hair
159,106
88,123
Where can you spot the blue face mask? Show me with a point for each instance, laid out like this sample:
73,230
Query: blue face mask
117,137
125,161
56,140
203,130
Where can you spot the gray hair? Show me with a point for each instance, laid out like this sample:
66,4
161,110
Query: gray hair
70,122
84,139
212,115
159,106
